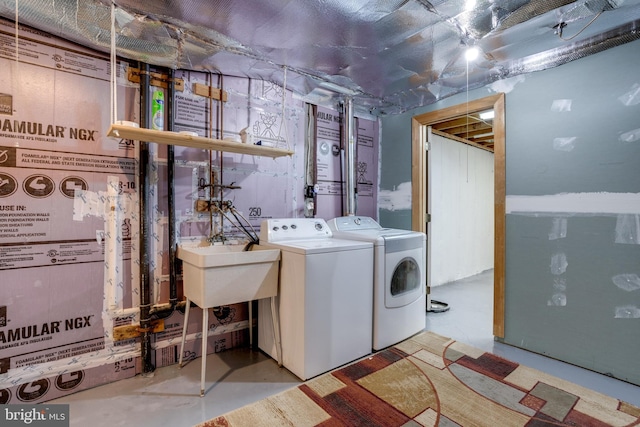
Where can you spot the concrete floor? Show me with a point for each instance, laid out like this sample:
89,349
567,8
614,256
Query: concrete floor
470,320
171,397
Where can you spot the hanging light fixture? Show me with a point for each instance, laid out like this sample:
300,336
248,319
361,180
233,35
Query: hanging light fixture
471,54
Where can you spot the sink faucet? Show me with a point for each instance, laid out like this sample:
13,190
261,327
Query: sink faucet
214,186
216,238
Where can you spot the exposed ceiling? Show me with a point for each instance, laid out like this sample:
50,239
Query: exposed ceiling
474,129
389,55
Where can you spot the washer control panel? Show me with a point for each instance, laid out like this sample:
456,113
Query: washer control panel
351,223
277,230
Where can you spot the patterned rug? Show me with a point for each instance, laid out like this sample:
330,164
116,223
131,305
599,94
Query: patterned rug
430,380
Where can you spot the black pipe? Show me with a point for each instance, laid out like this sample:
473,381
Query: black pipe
145,289
173,267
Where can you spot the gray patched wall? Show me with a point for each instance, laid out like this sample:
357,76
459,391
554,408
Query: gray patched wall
573,208
573,244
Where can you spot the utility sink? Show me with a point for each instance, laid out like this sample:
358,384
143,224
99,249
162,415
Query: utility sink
226,274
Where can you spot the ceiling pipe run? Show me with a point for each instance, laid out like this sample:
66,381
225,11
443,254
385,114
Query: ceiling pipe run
350,157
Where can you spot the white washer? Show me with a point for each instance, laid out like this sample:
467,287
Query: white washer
399,295
325,299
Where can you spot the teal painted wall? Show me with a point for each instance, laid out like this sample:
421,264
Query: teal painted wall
572,275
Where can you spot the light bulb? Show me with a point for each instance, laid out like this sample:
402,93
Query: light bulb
471,53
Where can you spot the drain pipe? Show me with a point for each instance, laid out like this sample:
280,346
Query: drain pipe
162,311
220,154
173,286
350,157
145,290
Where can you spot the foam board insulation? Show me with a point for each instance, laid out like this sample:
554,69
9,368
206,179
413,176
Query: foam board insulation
68,225
69,210
54,246
329,165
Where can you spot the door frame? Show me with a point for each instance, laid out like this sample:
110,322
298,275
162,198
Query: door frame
419,184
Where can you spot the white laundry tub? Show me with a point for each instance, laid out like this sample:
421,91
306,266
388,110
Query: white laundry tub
225,274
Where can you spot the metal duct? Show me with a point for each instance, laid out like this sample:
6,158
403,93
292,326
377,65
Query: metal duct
310,150
538,62
350,157
530,10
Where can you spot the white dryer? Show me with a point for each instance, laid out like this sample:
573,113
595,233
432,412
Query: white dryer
399,280
325,297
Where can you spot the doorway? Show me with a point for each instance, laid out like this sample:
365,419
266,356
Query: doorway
419,214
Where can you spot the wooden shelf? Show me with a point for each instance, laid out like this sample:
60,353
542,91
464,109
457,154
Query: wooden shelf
186,140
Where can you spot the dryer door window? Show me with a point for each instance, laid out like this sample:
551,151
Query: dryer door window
406,277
